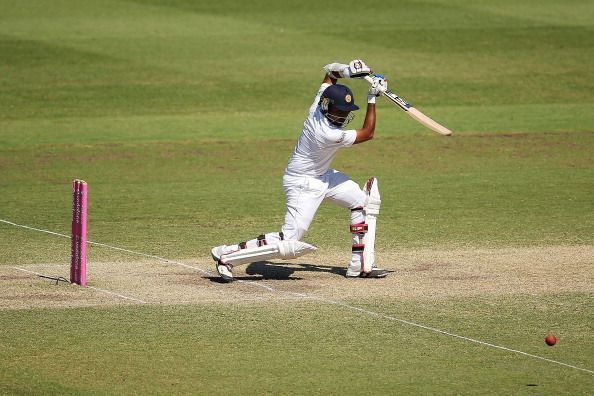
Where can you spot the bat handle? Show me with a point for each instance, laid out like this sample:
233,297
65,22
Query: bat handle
370,81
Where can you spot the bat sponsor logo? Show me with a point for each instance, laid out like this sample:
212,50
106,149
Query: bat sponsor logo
398,100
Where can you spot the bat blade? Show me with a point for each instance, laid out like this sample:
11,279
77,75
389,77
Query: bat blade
417,115
428,122
414,113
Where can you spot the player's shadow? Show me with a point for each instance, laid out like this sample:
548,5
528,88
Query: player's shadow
264,270
269,270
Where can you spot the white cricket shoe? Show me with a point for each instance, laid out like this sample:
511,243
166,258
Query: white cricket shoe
223,269
374,273
217,252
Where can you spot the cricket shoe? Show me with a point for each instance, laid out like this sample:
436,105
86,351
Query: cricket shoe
374,273
217,252
223,269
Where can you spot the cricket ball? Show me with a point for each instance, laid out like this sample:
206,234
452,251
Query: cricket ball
551,340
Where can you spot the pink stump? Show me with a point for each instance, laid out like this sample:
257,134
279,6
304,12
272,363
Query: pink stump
78,267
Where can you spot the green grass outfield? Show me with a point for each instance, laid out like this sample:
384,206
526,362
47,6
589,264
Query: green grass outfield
181,115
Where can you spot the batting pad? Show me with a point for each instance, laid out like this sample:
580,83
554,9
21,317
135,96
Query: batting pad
285,250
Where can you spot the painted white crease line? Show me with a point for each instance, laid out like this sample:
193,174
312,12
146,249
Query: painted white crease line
30,272
252,283
33,228
436,330
109,247
150,256
117,294
88,287
162,259
328,301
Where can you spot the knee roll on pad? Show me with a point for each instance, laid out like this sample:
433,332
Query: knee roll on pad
373,201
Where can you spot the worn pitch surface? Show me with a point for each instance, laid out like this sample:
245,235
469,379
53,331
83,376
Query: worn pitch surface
415,274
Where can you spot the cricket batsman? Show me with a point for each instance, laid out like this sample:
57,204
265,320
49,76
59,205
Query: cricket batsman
308,180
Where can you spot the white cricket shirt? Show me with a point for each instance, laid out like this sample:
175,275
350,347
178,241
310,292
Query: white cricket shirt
318,142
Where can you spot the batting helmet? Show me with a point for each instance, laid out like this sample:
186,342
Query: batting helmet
338,96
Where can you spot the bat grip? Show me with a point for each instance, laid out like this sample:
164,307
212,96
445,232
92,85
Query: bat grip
370,81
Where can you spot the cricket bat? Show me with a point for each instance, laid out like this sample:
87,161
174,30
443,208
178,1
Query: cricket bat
413,112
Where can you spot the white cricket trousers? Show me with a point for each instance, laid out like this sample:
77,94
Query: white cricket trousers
304,194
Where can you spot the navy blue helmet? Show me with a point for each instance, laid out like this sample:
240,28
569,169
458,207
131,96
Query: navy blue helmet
338,97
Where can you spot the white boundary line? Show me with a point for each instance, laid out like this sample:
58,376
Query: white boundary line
88,287
326,301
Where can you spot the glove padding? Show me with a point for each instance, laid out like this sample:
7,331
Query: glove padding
355,69
379,85
358,69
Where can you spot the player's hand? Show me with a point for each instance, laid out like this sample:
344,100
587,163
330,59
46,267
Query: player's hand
358,69
379,85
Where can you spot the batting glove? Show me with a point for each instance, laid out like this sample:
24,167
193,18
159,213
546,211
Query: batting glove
355,69
358,69
379,85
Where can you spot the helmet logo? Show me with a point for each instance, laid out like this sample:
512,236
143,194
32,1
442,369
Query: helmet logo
348,98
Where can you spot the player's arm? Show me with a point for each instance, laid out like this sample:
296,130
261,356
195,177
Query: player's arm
365,133
329,80
355,69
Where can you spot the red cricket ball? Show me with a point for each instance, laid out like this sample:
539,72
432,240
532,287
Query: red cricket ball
551,340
